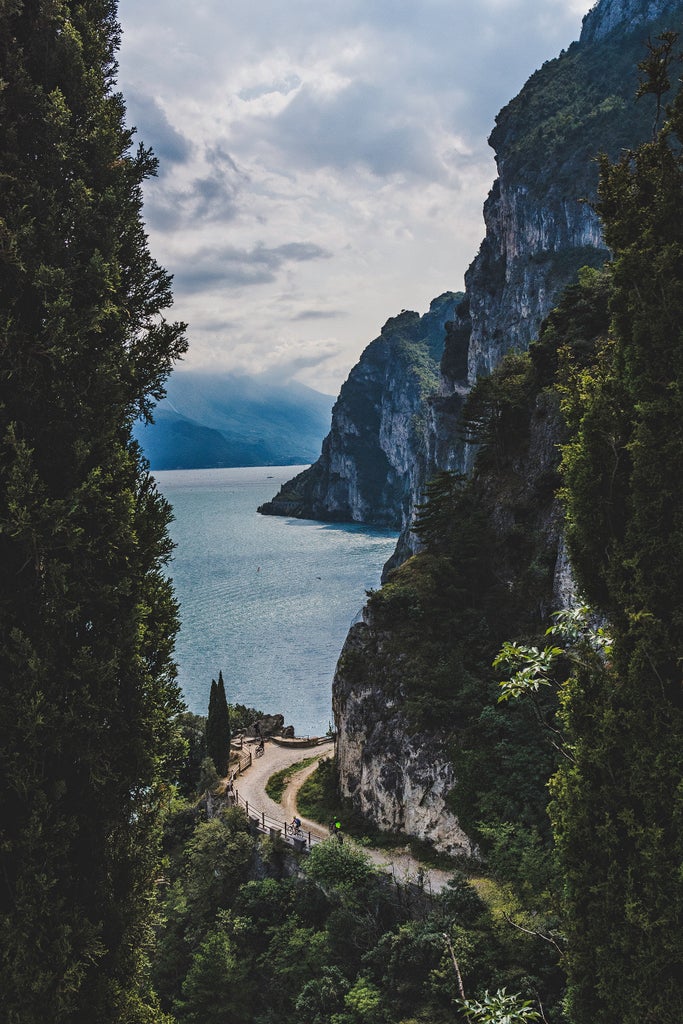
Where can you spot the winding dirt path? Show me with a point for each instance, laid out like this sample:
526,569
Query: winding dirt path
251,786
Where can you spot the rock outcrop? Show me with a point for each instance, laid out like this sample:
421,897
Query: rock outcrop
531,251
541,225
623,15
366,472
540,229
399,782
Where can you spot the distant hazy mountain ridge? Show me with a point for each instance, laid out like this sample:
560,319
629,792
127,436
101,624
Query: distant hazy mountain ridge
215,420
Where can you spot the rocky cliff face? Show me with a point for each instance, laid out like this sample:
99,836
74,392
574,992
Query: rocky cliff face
531,251
399,782
400,775
623,15
539,232
366,472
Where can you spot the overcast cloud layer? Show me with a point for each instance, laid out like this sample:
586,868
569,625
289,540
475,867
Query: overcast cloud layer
323,165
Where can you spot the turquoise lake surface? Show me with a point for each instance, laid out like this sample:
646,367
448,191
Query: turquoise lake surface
265,599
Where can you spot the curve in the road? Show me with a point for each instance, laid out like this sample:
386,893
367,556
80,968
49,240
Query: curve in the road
251,786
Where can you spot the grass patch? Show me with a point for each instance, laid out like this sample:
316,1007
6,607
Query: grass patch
319,799
277,783
500,899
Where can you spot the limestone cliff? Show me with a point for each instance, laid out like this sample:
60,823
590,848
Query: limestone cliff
386,772
366,472
540,223
624,15
540,229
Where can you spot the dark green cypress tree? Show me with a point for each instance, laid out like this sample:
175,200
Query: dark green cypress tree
218,727
211,722
618,811
224,720
87,614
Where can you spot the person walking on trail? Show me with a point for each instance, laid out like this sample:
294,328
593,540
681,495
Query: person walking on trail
337,830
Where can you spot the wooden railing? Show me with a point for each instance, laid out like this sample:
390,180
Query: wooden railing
303,839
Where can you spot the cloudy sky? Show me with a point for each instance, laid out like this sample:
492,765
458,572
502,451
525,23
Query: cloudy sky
323,164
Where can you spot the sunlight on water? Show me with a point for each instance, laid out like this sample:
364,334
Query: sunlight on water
267,600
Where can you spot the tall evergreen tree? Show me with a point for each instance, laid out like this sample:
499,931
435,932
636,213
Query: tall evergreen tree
218,727
211,721
619,808
87,614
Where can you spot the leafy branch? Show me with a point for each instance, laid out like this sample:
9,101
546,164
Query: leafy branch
500,1008
533,667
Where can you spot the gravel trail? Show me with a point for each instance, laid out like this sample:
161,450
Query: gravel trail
251,786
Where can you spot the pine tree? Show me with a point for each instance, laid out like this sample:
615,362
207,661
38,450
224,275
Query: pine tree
218,727
87,614
618,810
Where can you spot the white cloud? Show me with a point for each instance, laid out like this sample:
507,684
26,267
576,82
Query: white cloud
323,165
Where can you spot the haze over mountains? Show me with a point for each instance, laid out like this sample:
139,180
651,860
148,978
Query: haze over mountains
221,420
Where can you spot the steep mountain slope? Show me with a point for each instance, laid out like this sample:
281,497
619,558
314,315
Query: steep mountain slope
539,232
414,694
389,433
379,429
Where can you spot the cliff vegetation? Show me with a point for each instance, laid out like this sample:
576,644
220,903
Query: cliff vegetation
580,435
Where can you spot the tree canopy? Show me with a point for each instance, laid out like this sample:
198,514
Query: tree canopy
87,613
618,809
218,727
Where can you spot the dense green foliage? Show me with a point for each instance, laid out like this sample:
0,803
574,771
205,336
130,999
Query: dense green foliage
572,109
218,727
87,614
486,572
246,935
192,729
618,811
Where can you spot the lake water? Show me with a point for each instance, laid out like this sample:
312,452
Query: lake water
265,599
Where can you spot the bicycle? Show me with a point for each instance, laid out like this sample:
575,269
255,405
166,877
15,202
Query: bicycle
294,830
259,751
